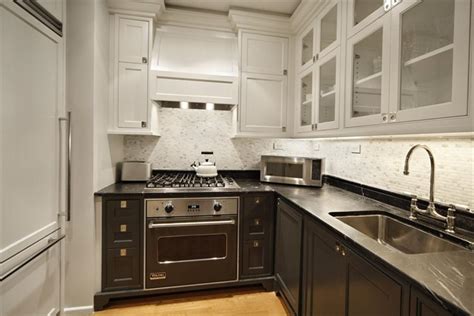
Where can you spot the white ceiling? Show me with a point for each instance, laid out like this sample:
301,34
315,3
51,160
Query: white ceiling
276,6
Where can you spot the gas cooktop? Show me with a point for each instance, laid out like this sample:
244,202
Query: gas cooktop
189,180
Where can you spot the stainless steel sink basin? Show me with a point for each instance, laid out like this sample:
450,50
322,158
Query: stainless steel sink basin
391,232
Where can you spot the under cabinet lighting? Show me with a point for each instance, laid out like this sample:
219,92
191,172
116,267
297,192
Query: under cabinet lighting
210,106
184,105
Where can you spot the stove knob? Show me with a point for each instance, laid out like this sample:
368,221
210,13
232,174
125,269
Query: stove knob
217,206
169,207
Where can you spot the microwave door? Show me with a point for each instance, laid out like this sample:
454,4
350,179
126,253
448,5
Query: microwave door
291,172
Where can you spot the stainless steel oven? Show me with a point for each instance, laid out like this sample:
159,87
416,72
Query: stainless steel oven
292,170
191,241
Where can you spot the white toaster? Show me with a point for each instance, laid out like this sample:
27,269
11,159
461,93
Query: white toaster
136,171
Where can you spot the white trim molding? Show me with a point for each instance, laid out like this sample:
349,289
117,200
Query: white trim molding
256,21
305,13
144,8
79,310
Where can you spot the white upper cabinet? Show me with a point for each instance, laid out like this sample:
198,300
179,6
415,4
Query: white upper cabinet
304,101
430,53
328,27
133,41
264,54
367,74
306,49
263,103
132,112
327,87
361,13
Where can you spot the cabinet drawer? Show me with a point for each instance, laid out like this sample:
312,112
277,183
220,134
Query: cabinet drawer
257,219
122,269
122,209
256,258
123,233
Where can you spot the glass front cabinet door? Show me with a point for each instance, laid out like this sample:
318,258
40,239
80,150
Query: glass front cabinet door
326,112
430,41
361,13
306,49
305,101
367,74
328,27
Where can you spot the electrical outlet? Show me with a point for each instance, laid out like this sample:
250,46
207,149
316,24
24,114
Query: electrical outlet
316,146
356,149
277,146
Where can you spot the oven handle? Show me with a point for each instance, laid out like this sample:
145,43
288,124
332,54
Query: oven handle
187,224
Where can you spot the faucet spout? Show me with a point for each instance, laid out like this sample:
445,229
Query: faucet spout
432,164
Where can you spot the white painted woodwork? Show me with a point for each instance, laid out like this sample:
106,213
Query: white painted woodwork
35,288
263,103
187,87
285,7
441,72
328,29
304,110
133,40
361,13
188,51
263,54
327,91
55,7
373,88
31,95
132,95
306,48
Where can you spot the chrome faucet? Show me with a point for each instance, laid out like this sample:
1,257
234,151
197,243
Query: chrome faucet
431,209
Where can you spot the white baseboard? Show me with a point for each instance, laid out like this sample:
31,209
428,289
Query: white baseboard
79,310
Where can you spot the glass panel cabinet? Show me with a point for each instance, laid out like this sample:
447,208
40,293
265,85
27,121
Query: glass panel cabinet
431,77
307,48
327,89
362,13
328,26
305,101
367,74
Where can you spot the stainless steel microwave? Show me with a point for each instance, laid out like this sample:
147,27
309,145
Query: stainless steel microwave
292,170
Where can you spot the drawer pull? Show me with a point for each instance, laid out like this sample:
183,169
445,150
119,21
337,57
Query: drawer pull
257,201
123,204
257,221
123,252
256,244
123,228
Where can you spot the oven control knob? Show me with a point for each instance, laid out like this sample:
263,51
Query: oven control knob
217,206
169,208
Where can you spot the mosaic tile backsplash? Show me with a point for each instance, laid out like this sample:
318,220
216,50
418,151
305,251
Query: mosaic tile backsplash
185,133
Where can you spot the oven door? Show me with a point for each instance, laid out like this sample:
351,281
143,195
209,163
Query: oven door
190,251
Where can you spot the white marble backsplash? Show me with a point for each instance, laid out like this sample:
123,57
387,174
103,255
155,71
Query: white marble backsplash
185,133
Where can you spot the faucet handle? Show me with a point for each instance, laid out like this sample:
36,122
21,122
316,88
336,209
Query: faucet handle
450,219
451,210
413,206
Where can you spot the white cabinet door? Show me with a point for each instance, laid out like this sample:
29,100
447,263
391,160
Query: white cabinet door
133,41
367,75
328,26
30,101
132,95
430,54
306,48
264,54
305,105
34,289
327,88
362,13
263,103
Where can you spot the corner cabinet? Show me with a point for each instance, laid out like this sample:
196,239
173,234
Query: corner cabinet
264,84
131,108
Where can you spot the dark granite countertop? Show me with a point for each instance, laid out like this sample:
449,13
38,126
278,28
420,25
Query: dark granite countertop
448,276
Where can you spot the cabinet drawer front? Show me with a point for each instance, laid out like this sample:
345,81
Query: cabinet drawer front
123,209
258,216
123,270
123,233
256,258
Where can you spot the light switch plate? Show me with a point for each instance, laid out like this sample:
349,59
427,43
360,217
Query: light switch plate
316,146
277,146
356,149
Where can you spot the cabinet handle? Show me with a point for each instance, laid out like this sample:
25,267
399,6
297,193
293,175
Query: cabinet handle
343,252
314,59
123,204
257,221
143,124
384,117
256,244
123,228
393,116
338,248
285,72
144,60
123,252
257,201
283,129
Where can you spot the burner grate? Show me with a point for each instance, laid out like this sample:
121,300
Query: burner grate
185,180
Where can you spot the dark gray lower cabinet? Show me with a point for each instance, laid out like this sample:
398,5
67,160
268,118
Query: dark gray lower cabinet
288,253
337,281
421,305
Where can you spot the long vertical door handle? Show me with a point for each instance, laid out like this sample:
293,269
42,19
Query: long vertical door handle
68,171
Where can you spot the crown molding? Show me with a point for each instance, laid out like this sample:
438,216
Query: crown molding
243,19
305,13
195,19
146,8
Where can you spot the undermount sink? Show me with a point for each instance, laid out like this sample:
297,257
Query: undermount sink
394,233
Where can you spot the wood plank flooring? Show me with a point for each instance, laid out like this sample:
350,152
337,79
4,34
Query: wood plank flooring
242,301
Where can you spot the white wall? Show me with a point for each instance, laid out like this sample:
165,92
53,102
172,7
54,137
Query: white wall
94,153
185,133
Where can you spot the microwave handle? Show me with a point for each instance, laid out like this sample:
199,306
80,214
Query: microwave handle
188,224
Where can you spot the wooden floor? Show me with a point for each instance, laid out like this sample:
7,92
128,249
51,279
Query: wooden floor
246,301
